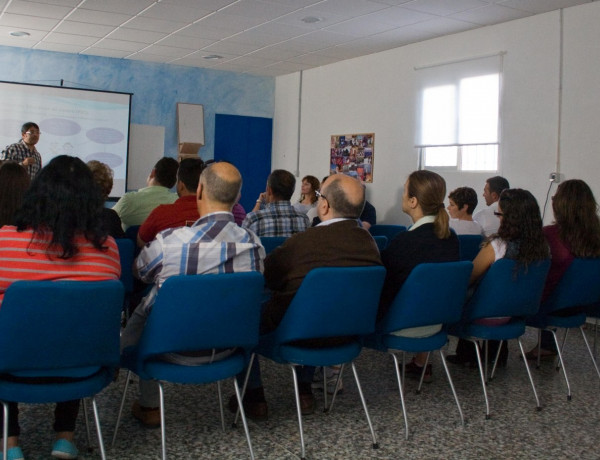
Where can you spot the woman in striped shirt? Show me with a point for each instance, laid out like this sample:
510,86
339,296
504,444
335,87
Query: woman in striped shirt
57,235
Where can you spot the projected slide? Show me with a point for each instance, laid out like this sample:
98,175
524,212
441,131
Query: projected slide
92,125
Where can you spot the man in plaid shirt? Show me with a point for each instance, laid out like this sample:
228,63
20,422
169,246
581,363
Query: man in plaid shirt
273,214
24,151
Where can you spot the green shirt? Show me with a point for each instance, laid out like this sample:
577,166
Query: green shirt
134,207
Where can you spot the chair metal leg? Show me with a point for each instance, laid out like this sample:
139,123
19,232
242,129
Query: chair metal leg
221,405
163,437
238,395
560,358
401,390
98,430
495,359
324,368
483,380
87,426
364,403
462,418
562,347
587,344
121,409
297,394
423,373
5,430
486,360
539,348
335,391
237,412
537,400
595,334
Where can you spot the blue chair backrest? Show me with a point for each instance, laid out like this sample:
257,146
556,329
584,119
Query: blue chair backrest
389,231
132,232
271,242
469,246
381,242
579,286
433,293
508,289
333,302
126,250
54,325
200,312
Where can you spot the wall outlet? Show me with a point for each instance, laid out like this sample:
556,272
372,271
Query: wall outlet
555,177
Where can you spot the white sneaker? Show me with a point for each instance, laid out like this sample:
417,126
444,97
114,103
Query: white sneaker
332,374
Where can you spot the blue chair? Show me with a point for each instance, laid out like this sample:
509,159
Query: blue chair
433,294
578,289
59,329
349,311
126,252
506,290
271,242
195,313
389,231
469,246
381,242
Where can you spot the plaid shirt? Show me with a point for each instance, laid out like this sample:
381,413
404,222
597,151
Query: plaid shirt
276,219
18,152
214,244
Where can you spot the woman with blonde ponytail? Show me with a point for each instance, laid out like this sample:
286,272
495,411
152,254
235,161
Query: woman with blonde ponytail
429,239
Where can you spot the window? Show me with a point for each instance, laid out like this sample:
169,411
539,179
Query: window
458,115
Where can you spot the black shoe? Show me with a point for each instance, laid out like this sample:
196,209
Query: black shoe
414,370
255,405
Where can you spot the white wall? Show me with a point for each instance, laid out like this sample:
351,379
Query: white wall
376,94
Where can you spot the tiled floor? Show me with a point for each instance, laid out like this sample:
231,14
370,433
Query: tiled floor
563,429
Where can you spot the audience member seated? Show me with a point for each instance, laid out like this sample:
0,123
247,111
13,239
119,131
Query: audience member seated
103,177
337,242
428,240
57,235
219,246
308,197
487,217
134,207
273,214
574,234
183,212
520,238
461,204
239,213
14,181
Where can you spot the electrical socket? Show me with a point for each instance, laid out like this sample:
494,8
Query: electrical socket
554,177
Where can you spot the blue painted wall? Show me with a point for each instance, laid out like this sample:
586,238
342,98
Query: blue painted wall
156,88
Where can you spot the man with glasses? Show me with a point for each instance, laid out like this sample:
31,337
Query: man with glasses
24,151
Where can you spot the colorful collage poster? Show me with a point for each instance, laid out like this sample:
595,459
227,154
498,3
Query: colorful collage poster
352,154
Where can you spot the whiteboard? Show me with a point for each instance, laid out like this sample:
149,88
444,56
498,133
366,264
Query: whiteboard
146,147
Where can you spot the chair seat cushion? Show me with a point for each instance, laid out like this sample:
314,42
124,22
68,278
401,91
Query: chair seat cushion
327,356
512,330
544,321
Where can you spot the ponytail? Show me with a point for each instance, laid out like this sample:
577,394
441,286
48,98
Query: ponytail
441,226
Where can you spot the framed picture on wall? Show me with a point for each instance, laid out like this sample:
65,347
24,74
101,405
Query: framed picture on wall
352,154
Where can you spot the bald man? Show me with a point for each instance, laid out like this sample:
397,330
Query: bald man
338,241
219,246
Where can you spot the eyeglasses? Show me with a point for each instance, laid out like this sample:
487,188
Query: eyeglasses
33,133
498,214
320,195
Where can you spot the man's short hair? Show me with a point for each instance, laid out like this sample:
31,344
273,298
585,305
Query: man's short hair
462,196
497,184
165,171
27,126
339,202
218,189
189,173
282,183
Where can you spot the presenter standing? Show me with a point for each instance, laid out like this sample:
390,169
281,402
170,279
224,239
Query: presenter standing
24,151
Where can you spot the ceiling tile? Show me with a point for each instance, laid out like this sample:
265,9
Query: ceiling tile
360,27
154,25
186,42
231,47
130,7
212,5
443,7
136,35
279,52
60,47
258,9
66,39
174,12
540,6
38,9
28,22
83,28
96,51
121,45
254,37
98,17
148,58
233,23
171,51
491,14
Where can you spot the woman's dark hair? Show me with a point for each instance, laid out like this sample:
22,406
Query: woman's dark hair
576,214
14,181
314,184
462,196
429,189
63,200
521,223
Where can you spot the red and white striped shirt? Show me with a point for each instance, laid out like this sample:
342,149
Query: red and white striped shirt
24,258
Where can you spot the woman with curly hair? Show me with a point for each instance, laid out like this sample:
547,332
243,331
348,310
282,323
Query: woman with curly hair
520,238
57,236
308,197
103,177
14,181
574,234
